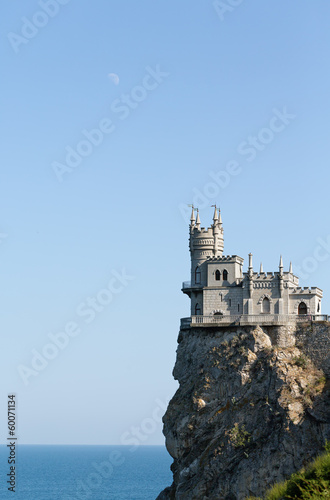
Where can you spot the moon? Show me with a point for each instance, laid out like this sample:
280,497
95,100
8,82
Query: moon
114,78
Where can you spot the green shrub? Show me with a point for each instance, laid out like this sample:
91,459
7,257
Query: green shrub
311,483
300,361
239,436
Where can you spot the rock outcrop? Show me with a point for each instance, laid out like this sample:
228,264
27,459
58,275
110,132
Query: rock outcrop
252,407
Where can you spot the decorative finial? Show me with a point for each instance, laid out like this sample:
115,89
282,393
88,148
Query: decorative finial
290,270
261,268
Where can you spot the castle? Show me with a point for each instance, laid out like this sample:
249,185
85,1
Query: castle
221,293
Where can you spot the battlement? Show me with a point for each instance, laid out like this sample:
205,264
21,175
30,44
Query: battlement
226,258
273,275
202,232
308,290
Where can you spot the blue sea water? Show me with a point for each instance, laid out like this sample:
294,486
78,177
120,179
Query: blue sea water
86,472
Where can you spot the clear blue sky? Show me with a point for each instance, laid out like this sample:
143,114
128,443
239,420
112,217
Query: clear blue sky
219,83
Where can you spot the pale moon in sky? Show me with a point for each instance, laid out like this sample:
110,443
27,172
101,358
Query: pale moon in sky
114,78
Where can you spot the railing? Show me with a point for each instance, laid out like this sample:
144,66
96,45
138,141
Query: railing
244,319
251,319
187,284
312,317
202,320
320,317
267,319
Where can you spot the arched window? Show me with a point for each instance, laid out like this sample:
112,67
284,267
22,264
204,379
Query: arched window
217,275
266,305
197,310
225,275
197,275
302,309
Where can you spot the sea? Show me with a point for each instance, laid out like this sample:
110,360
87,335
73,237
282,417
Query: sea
85,472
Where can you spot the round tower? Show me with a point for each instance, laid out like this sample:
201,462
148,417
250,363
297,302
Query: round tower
203,244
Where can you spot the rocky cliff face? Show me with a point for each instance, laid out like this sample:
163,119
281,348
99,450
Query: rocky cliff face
252,407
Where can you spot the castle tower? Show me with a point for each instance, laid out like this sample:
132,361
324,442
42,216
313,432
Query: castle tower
211,272
204,244
220,292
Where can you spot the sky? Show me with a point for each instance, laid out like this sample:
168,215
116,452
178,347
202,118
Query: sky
114,117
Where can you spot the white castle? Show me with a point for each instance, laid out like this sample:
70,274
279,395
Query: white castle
221,292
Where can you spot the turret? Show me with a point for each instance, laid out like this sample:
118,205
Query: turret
280,268
191,226
198,221
250,266
217,251
250,276
192,217
215,216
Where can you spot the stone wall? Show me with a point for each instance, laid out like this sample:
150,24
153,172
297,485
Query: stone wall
314,341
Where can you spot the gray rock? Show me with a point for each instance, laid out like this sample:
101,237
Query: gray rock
251,408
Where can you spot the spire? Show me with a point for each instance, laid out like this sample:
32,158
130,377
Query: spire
281,267
198,221
261,268
220,219
215,216
192,218
290,270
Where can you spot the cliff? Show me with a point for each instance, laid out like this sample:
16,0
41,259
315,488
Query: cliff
252,407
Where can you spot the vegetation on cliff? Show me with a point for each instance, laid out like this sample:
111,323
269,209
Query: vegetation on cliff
310,483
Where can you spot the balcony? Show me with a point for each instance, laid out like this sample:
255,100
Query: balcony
188,287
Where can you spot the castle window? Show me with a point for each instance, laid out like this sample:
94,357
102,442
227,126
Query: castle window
266,305
197,310
237,307
229,302
197,276
225,275
302,309
318,307
217,275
